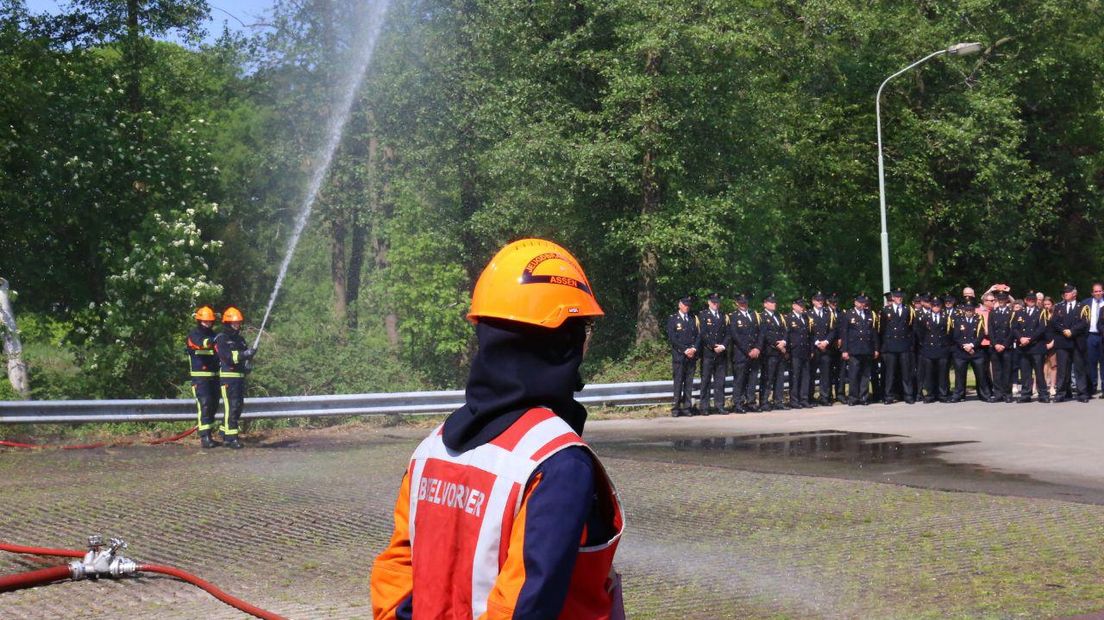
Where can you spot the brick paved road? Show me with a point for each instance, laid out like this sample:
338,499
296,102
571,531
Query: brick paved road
292,524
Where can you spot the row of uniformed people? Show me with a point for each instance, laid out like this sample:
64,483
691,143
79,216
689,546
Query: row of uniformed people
906,352
219,363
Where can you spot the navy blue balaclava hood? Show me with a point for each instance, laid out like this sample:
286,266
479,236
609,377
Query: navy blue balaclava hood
518,367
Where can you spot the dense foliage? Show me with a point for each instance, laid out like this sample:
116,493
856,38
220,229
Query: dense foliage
675,147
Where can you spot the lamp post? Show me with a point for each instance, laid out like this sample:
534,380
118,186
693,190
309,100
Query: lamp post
958,49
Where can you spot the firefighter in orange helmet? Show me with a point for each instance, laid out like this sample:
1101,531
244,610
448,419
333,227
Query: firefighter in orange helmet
504,511
234,355
204,373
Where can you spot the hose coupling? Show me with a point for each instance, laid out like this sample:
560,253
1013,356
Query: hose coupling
102,560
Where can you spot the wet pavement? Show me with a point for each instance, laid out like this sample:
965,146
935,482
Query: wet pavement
890,512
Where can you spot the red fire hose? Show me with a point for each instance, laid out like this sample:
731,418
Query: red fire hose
233,601
65,553
45,576
33,578
89,446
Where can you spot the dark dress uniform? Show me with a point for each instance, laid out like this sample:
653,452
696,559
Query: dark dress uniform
934,332
1031,323
744,335
771,379
1000,333
799,348
969,330
859,340
1070,350
713,331
897,344
682,333
231,348
823,328
205,377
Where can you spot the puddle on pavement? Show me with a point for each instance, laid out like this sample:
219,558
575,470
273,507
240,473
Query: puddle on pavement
834,445
875,457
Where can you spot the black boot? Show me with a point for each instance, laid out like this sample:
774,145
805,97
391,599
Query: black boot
233,443
205,441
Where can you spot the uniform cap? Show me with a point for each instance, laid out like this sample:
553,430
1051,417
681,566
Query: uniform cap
741,298
769,297
818,296
1068,288
1029,295
834,297
688,300
861,297
969,304
949,298
1001,295
895,293
801,302
533,281
714,297
937,301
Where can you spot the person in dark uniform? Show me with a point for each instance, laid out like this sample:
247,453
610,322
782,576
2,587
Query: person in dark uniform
921,304
858,348
969,330
771,378
824,335
935,348
713,326
1069,327
839,366
897,343
746,345
1000,347
204,373
950,305
234,357
799,348
1029,330
682,333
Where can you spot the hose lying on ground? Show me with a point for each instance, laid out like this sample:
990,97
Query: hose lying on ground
104,444
232,601
54,574
33,578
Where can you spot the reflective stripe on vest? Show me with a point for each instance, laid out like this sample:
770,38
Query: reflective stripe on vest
462,510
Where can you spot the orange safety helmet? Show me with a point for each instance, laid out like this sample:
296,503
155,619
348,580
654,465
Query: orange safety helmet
533,281
204,313
232,315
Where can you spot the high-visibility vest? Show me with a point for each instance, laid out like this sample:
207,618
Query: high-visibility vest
462,511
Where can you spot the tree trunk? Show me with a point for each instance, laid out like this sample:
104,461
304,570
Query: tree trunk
133,57
360,222
13,349
381,245
339,269
647,326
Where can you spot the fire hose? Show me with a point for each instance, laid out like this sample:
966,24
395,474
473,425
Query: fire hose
103,444
105,561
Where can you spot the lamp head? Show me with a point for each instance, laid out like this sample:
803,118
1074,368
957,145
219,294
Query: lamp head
964,49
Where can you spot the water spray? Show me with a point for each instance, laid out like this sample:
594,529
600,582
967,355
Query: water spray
334,132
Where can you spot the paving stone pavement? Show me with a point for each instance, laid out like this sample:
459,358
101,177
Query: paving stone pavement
292,524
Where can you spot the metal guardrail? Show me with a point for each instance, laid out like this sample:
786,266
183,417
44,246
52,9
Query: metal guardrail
408,403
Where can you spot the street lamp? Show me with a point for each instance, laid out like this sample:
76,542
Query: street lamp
958,49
